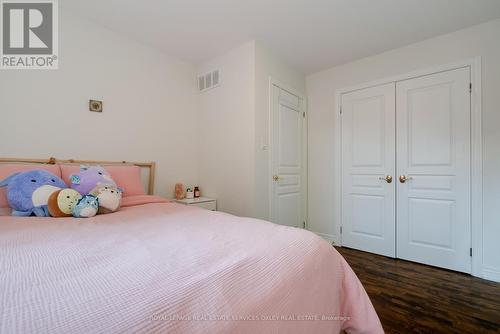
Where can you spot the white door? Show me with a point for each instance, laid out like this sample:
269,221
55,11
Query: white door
368,160
287,158
433,150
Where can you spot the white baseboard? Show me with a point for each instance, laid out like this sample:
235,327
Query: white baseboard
492,274
333,239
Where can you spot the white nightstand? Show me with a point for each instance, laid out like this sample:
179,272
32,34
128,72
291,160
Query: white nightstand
202,202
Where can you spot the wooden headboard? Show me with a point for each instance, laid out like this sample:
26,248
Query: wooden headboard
52,161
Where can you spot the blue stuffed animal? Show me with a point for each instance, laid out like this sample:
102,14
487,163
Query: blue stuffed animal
86,207
28,192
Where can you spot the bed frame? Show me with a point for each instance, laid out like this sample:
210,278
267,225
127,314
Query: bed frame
151,166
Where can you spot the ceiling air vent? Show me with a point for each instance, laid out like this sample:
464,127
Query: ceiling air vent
208,80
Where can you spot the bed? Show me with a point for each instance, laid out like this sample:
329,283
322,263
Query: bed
160,267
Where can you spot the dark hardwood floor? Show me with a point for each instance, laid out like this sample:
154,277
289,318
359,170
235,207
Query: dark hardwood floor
415,298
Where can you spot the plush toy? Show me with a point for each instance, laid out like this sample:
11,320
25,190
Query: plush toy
179,191
62,202
28,192
89,177
110,198
86,207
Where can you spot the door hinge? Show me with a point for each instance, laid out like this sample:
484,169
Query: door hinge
341,110
304,224
470,87
340,229
470,251
304,114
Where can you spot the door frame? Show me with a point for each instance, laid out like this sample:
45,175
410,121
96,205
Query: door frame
476,151
304,174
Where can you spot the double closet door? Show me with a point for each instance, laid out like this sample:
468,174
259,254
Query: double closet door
406,169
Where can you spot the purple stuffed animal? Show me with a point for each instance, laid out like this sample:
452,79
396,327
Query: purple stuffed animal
89,177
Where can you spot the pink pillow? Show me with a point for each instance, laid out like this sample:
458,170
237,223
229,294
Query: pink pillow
5,211
127,177
142,199
9,169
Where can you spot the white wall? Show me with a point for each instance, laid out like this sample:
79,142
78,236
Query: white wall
234,126
226,132
268,65
481,40
152,112
149,105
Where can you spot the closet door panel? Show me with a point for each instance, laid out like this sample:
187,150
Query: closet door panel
368,159
433,164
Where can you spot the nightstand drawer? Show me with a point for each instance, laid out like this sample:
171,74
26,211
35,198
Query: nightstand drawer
201,202
207,205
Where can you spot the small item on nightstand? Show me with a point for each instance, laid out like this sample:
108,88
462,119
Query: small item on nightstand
179,191
196,192
189,193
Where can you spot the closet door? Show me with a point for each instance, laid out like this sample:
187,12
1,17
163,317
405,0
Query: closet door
368,160
433,164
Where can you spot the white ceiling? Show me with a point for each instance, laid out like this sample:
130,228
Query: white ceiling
309,35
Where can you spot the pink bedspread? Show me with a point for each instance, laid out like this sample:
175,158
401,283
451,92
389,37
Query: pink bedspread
164,267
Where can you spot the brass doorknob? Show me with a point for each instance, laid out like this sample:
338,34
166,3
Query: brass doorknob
404,178
276,177
387,179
